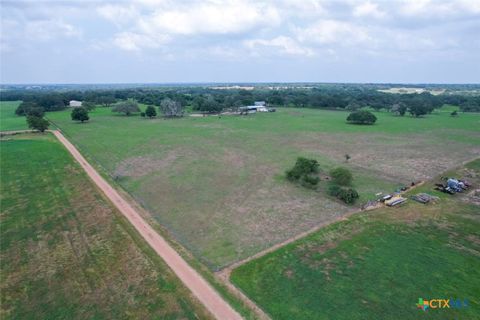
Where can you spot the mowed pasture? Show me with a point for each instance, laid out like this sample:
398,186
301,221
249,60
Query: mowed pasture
217,183
66,253
9,121
376,265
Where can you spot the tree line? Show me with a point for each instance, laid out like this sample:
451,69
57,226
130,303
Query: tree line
209,100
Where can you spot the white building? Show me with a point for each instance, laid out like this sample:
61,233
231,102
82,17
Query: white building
75,103
258,106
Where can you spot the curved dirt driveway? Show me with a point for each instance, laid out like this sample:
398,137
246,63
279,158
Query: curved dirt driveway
190,278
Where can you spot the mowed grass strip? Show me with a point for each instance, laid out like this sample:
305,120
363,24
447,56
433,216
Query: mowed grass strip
375,265
217,183
66,253
9,121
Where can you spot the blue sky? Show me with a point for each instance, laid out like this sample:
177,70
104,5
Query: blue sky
411,41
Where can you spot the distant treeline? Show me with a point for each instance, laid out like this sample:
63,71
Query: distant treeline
349,97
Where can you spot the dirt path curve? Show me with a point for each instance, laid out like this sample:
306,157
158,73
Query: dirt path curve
191,279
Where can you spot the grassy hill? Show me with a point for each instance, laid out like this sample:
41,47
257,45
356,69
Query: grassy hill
217,183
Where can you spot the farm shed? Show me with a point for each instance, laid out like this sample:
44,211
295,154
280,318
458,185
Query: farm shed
75,103
258,106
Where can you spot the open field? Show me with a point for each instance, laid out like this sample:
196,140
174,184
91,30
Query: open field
217,183
66,253
376,265
9,121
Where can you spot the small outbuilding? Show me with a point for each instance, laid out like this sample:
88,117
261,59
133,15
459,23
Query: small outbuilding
75,103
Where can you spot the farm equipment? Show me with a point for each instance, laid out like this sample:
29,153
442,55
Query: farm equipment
424,198
396,200
456,185
385,198
442,188
452,186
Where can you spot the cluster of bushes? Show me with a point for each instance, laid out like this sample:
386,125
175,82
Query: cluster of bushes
361,117
304,172
347,195
340,185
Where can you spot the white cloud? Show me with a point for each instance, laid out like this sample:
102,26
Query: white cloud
234,30
333,32
46,30
302,8
211,18
284,44
118,14
429,8
131,41
368,9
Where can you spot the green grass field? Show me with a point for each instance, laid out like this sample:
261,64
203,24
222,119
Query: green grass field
376,265
217,183
66,253
9,121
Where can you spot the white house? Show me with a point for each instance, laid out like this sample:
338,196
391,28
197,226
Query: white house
258,106
75,103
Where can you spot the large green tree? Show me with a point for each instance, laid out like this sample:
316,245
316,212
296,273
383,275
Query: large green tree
106,100
362,117
418,110
150,112
80,114
37,123
126,107
171,108
29,108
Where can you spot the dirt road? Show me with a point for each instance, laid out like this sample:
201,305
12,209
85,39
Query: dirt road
191,279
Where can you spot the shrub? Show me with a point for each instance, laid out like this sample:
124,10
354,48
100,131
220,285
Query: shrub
362,117
303,167
341,176
309,181
334,190
303,172
348,195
